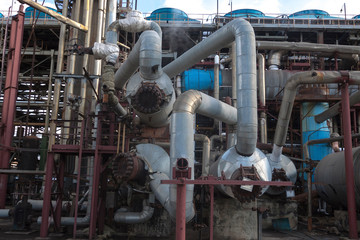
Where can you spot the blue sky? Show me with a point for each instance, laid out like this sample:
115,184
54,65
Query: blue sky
209,6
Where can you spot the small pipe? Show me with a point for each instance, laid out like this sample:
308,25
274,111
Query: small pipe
262,97
205,153
233,74
56,15
334,110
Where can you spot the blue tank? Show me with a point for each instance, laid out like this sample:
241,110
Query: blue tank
169,14
29,13
1,15
356,17
311,130
198,79
312,14
246,13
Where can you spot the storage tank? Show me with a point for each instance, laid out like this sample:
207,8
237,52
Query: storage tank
312,14
246,13
330,178
169,14
199,79
1,15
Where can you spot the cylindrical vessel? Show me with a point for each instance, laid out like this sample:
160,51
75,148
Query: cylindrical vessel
330,178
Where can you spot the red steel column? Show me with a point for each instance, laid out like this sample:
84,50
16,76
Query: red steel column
181,211
60,180
45,214
349,164
211,188
10,95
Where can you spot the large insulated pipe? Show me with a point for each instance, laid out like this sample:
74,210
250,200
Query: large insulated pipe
334,110
262,97
182,134
242,32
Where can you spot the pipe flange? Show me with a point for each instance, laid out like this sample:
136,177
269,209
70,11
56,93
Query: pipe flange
278,174
246,193
128,166
149,98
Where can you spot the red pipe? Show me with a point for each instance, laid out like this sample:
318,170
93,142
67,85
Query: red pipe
60,180
181,211
10,95
47,196
349,164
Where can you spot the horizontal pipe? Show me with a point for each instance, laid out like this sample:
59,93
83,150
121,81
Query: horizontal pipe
135,217
308,47
334,110
56,15
5,213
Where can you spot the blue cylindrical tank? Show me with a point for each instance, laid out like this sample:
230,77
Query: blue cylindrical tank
245,13
199,79
312,14
1,15
169,14
312,130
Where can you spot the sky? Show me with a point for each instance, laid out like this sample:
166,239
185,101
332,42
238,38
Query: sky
269,7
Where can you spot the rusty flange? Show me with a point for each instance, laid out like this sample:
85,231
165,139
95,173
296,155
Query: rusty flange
246,193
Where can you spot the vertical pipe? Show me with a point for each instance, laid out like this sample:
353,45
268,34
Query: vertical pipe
349,164
97,66
309,186
216,77
180,212
10,95
47,196
262,97
57,85
211,188
233,73
111,36
49,92
88,9
60,180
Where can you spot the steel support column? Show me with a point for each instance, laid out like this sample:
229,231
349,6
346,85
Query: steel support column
10,95
47,196
349,164
180,211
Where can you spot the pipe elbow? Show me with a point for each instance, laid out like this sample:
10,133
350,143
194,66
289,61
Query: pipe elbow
188,102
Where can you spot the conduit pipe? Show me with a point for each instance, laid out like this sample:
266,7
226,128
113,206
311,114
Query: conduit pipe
205,153
182,135
334,110
242,32
5,213
262,97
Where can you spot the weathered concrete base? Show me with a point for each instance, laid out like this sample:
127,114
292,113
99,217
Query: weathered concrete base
234,220
280,211
342,221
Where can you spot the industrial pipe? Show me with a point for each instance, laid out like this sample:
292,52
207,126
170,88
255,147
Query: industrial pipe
242,32
58,16
334,110
307,47
262,97
205,153
5,213
136,217
274,60
182,134
216,76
